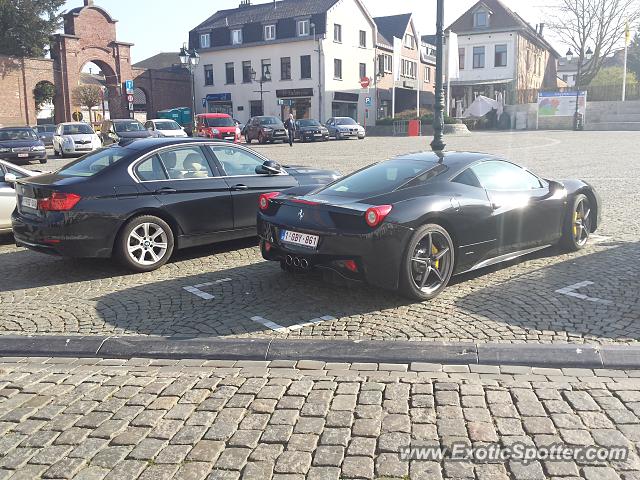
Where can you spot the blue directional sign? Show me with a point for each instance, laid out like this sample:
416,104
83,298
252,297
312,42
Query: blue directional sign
367,101
128,86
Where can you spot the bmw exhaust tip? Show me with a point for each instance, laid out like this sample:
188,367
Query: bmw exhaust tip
296,262
288,260
304,263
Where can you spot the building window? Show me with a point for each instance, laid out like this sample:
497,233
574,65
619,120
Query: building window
285,68
230,72
461,58
363,70
409,69
266,69
246,71
480,19
303,28
427,75
269,32
387,63
565,77
363,39
501,55
305,66
410,41
208,74
337,33
337,69
205,40
236,37
478,57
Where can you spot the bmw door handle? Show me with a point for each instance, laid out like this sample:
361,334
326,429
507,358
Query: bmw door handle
239,187
165,190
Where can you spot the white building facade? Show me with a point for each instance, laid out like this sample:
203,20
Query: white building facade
303,56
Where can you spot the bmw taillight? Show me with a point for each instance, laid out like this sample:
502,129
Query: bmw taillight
375,215
58,202
265,198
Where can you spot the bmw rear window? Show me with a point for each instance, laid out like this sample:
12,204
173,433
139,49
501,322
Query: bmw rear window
94,162
379,178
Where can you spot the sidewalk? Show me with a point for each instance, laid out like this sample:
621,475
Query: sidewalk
194,419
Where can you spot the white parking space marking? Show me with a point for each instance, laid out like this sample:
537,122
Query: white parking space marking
195,289
570,291
279,328
594,238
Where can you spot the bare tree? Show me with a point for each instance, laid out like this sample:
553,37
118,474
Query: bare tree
595,24
87,96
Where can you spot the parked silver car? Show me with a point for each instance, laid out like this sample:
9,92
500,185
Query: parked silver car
9,173
75,138
344,127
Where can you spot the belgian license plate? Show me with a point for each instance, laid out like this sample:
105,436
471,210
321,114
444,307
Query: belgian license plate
317,134
302,239
23,155
29,203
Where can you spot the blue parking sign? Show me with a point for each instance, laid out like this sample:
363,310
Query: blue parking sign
367,101
128,86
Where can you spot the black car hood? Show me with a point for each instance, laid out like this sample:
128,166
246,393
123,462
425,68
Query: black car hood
140,134
19,143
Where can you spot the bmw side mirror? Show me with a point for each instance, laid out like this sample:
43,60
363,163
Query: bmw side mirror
10,178
269,168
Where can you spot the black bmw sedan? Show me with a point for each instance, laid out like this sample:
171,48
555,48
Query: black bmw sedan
21,145
140,200
412,222
309,130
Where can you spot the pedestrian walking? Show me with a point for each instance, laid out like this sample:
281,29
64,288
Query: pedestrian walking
290,125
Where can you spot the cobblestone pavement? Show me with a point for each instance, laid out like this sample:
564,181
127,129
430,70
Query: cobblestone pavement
587,297
162,419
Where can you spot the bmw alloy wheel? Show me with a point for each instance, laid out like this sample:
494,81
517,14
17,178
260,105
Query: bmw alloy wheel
147,244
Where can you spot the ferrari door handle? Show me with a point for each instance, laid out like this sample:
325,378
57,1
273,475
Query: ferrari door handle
239,187
165,190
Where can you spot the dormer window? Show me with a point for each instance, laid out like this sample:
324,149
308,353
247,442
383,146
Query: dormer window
205,40
236,37
481,19
269,32
303,28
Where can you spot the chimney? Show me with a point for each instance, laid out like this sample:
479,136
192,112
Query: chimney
274,4
244,3
541,28
88,3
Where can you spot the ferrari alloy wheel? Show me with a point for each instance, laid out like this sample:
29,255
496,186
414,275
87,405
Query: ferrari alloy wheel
145,243
578,226
428,263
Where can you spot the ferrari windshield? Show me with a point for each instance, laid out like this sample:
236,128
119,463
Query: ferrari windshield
380,178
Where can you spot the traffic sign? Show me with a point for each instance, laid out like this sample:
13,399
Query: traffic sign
365,82
367,101
130,106
128,86
130,98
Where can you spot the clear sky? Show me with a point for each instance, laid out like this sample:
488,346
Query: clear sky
163,25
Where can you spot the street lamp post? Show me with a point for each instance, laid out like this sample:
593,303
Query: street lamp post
191,59
437,145
587,56
264,77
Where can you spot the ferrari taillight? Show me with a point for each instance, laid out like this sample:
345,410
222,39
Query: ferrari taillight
375,215
265,198
58,202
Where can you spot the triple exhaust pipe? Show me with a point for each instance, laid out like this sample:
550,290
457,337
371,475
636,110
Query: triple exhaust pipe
298,262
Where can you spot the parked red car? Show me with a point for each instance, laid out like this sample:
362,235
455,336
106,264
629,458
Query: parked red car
217,125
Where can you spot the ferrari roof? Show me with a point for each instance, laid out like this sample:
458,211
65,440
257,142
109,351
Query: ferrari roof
451,159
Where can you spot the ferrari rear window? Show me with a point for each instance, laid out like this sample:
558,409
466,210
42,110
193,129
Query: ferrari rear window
379,178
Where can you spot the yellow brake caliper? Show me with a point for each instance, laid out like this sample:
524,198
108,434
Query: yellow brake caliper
434,251
575,227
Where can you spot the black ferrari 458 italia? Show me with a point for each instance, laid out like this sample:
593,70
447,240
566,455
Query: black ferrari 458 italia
412,222
142,199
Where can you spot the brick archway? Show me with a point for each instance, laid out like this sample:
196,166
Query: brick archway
90,36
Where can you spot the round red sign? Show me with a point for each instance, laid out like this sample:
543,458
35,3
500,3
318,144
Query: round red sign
364,82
